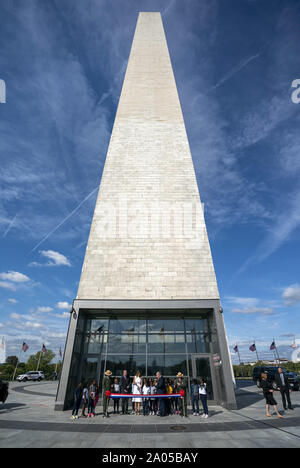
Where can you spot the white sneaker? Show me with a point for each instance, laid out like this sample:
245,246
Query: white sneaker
194,414
205,416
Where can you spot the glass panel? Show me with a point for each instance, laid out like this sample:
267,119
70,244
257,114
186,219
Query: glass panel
89,370
197,343
167,365
202,369
127,326
164,325
99,325
116,364
126,343
95,343
166,343
197,325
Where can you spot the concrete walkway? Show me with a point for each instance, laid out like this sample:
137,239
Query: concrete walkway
28,419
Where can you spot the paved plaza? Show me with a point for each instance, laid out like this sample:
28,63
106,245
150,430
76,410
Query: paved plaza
28,419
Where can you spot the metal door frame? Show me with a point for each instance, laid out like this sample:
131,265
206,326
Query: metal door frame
212,373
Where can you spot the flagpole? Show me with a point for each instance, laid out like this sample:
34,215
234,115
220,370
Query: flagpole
238,353
38,364
14,374
276,352
256,352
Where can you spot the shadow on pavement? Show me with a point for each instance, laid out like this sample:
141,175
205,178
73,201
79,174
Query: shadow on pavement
246,398
9,407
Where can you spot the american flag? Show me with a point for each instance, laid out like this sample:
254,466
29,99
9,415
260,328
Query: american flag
273,346
44,349
60,353
235,349
25,347
253,347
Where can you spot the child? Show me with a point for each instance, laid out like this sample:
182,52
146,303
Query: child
169,389
116,389
203,398
85,399
92,396
151,400
154,400
195,397
77,401
96,395
145,391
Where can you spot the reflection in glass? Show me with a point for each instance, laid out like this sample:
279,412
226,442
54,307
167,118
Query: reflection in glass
89,369
165,325
167,365
202,368
127,343
116,364
195,325
127,325
98,326
95,343
166,343
197,343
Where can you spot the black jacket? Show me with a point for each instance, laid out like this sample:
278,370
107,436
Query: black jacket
279,382
125,384
161,386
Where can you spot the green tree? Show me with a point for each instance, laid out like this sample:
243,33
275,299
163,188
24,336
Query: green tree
11,360
7,371
44,365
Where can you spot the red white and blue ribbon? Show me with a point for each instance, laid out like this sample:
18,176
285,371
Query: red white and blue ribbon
137,395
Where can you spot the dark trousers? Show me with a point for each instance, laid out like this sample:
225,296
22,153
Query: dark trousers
285,395
152,406
145,406
105,404
176,403
183,406
162,407
125,405
76,407
203,399
116,404
91,405
195,403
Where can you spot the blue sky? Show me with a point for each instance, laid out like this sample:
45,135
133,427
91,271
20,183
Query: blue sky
63,62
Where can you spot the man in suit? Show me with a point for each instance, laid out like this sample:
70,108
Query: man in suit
282,383
125,388
161,389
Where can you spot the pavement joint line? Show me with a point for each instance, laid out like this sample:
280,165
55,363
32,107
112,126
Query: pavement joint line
268,425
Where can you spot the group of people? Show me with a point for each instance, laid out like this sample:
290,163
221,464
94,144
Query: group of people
282,383
144,394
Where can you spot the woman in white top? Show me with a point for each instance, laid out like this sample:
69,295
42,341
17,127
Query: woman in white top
137,390
203,398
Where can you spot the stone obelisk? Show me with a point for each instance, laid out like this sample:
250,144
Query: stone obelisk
148,246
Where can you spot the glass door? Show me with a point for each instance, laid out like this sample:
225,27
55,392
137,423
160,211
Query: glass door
202,367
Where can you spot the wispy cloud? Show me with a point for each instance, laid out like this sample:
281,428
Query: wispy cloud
14,276
253,310
291,294
63,305
56,259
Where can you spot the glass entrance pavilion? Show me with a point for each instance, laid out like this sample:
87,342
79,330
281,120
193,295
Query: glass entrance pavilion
150,341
